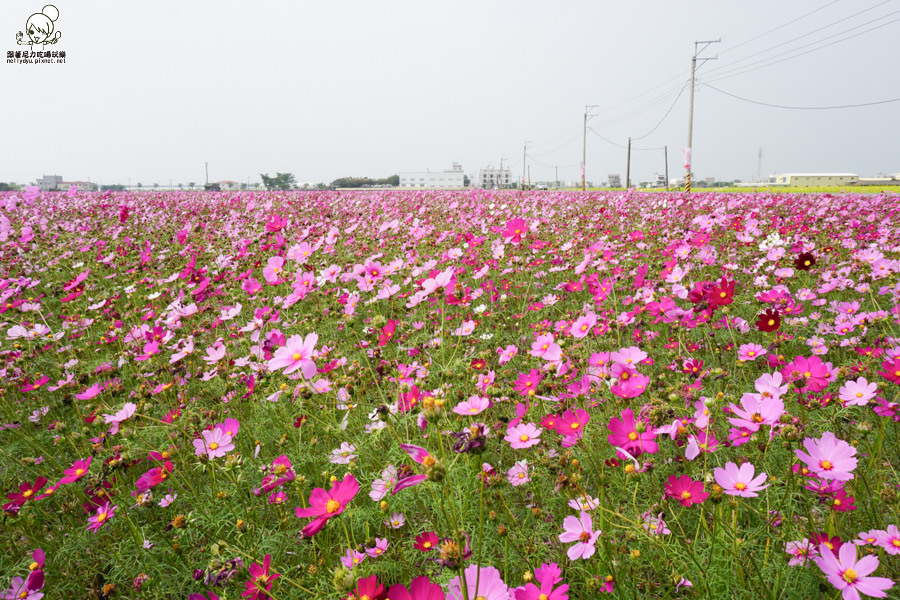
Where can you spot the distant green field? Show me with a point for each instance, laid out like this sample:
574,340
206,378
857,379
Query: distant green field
848,189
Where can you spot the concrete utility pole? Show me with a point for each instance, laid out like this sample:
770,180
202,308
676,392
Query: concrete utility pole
524,155
207,172
587,110
687,177
628,167
666,154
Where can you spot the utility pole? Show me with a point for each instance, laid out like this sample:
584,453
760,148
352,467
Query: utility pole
628,167
666,154
207,172
687,166
557,176
524,154
759,166
529,176
587,110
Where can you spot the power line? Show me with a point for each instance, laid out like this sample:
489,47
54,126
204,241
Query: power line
591,129
802,107
794,53
782,26
665,115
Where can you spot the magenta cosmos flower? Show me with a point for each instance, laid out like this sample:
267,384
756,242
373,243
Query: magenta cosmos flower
851,576
260,582
213,444
756,410
625,435
685,490
739,481
891,370
580,530
78,470
829,457
527,384
324,505
421,588
814,374
296,354
523,435
480,582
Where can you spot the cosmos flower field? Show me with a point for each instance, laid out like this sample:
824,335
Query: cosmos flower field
473,395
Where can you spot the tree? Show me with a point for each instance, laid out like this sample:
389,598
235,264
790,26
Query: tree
281,181
466,181
191,184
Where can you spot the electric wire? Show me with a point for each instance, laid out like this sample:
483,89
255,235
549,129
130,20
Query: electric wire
802,107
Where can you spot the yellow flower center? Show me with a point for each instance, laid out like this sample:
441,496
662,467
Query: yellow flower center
79,472
542,597
34,566
213,446
849,576
826,465
686,495
807,374
332,506
297,356
585,536
426,545
101,517
632,435
523,438
575,425
751,353
27,493
740,486
771,322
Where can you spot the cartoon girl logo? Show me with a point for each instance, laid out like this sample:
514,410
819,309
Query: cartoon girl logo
39,28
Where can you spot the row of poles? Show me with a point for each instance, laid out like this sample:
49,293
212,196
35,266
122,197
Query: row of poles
687,151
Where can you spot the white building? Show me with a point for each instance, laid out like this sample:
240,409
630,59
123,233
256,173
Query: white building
490,178
449,178
814,179
48,183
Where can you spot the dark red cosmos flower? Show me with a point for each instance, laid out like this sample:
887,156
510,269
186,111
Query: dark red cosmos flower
805,261
722,294
477,363
26,491
769,320
426,542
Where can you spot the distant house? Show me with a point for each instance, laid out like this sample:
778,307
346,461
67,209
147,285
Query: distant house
814,179
229,185
449,178
489,178
52,183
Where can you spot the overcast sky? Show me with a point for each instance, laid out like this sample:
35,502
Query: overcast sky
150,91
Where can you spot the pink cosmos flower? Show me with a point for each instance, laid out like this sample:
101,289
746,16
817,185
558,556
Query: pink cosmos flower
351,558
750,352
384,483
213,444
701,413
801,551
685,490
100,518
580,530
124,414
297,354
631,384
518,474
756,410
473,406
857,393
890,539
273,269
344,454
90,392
396,520
78,470
739,481
480,582
523,435
214,353
325,505
829,457
421,588
507,354
851,576
381,544
544,347
625,435
583,325
465,329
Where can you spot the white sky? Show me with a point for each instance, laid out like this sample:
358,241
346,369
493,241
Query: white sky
152,90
